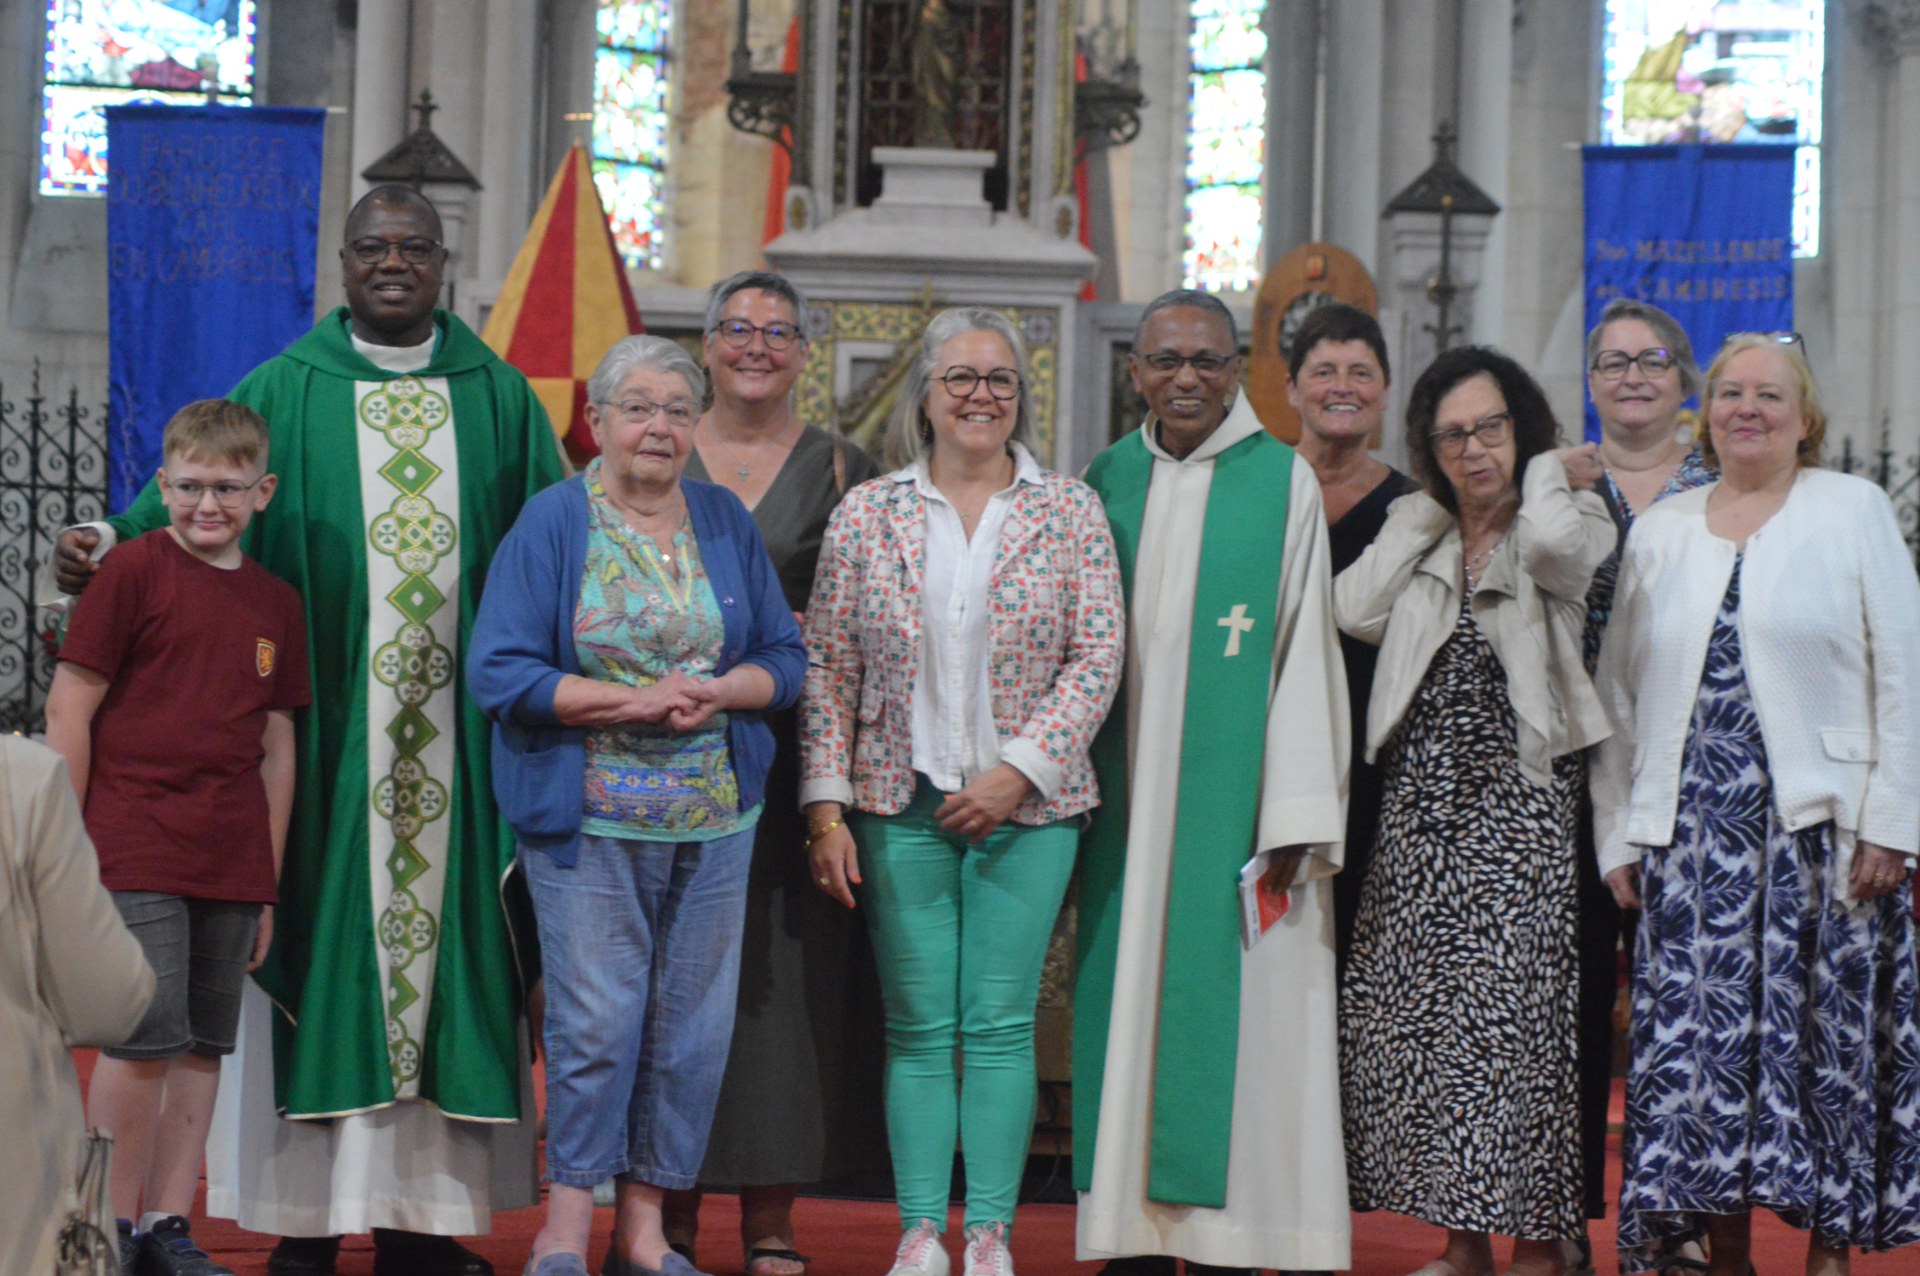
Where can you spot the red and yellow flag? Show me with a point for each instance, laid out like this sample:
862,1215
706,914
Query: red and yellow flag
566,300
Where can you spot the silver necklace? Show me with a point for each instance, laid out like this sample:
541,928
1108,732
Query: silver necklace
1477,563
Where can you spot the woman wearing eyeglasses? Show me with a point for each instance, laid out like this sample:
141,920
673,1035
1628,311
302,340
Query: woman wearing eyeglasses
966,638
631,634
1761,805
1640,370
1457,1019
805,1048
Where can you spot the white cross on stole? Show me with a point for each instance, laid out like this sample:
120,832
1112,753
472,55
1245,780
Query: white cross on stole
1236,622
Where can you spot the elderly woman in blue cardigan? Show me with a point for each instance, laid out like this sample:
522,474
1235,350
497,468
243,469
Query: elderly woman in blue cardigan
631,633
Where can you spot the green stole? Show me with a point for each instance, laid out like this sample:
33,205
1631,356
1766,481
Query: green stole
1222,739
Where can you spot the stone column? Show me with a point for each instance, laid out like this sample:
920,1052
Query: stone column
506,138
1356,59
1293,65
379,83
1900,216
1485,78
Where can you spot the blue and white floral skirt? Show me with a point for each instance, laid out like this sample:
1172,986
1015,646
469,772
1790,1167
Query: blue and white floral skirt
1775,1045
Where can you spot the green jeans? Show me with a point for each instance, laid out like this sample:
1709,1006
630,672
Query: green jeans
960,935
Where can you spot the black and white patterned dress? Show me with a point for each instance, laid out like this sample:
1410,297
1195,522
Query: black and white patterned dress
1457,1020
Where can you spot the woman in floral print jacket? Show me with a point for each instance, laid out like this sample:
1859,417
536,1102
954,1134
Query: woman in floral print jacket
966,636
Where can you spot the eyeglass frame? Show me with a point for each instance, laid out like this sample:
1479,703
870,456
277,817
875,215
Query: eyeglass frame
643,411
1182,360
975,378
388,246
1439,439
1633,361
192,491
799,336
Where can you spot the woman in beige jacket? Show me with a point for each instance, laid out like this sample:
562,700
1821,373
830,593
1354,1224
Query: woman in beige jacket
70,975
1457,1018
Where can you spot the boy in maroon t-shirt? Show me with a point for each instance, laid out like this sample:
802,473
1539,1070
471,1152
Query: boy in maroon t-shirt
173,706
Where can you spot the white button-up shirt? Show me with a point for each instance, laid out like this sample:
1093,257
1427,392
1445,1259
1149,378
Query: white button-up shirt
954,740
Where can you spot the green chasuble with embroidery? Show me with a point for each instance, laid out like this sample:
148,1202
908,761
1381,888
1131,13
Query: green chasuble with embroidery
1228,684
392,966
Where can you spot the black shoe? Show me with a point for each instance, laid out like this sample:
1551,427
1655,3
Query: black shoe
129,1246
1142,1265
1204,1269
168,1249
397,1253
304,1256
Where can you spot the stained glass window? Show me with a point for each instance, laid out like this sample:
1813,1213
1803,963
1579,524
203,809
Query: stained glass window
630,69
1745,71
1226,142
102,53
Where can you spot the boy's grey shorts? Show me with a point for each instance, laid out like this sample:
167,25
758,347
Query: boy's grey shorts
199,950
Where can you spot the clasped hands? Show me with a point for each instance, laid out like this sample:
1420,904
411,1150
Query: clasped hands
678,701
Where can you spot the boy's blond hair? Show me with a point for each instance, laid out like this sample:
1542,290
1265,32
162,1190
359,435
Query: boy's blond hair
217,430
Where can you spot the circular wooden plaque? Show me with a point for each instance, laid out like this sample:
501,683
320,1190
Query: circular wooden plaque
1308,277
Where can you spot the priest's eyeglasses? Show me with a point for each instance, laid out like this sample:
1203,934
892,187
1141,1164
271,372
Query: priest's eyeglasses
1492,431
680,416
1002,383
415,252
738,332
1168,362
226,495
1612,365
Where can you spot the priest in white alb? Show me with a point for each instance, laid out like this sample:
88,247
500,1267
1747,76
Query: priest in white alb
1206,1072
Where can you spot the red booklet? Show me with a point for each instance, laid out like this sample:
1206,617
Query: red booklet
1260,906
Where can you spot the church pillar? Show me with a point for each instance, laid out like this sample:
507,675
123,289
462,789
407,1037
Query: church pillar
1485,79
1903,214
506,137
379,83
1356,58
1293,60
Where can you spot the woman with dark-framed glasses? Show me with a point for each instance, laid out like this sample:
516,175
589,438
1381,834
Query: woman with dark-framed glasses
966,638
631,635
1457,1017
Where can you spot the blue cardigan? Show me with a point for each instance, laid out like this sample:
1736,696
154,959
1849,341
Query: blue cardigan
523,644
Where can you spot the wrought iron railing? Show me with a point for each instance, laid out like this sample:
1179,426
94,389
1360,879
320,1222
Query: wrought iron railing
1898,476
53,473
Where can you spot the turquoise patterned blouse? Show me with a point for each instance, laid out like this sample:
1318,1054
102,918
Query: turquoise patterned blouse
643,615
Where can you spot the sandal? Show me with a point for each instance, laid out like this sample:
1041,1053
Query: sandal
770,1254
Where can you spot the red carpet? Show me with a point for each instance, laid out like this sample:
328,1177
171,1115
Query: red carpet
856,1238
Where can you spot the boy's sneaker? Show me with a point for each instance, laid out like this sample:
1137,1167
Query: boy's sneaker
129,1242
168,1249
987,1251
920,1252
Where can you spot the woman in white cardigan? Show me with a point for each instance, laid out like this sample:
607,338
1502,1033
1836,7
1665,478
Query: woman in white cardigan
1760,800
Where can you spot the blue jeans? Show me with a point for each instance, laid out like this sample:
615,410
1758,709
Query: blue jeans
641,945
960,936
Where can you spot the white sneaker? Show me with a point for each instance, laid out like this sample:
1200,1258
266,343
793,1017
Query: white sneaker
920,1252
987,1253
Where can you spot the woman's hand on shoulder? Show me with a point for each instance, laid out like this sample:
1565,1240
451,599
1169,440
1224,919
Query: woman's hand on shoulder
831,853
985,804
1877,871
1582,464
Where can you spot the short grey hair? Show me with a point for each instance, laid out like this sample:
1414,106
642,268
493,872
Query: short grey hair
909,432
656,354
1184,299
1664,326
756,281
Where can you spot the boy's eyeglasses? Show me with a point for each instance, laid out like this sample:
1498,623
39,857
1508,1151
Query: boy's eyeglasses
225,495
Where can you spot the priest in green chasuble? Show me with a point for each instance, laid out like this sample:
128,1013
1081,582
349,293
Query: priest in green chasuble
383,1086
1206,1072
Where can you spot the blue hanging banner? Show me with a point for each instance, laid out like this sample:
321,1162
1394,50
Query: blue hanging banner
1703,232
213,217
